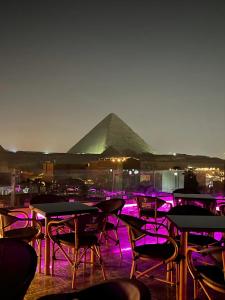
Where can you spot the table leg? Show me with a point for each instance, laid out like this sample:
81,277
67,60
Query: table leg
33,216
47,249
183,267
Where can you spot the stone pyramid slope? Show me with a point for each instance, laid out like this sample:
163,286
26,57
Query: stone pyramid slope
111,132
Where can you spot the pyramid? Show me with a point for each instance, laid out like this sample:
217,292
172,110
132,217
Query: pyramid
111,133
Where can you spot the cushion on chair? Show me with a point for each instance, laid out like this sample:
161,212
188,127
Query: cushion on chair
157,251
200,240
151,213
27,233
85,240
212,274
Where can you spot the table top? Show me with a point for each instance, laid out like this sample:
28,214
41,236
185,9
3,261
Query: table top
198,223
62,208
194,196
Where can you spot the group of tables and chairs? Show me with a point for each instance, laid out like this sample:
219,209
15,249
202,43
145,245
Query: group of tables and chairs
193,220
165,234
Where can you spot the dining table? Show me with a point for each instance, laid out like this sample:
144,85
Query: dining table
204,199
48,210
185,224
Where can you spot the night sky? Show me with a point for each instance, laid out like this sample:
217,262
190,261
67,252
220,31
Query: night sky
158,65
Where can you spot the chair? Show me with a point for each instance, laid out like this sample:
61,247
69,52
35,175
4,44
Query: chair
165,253
18,261
207,275
9,228
80,232
149,207
193,239
119,289
112,207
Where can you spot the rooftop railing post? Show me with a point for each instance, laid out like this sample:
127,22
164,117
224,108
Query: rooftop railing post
13,188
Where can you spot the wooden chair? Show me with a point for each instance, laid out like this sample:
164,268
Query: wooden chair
165,253
149,208
10,227
207,275
112,207
78,233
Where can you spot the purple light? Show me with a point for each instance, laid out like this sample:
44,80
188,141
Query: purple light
126,249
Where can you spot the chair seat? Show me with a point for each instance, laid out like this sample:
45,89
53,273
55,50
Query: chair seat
201,240
151,213
85,239
27,233
157,251
212,274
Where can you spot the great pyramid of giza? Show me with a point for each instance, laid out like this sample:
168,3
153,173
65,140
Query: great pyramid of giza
112,133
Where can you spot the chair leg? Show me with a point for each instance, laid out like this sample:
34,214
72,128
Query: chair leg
53,259
118,242
98,253
133,268
39,255
177,281
75,267
195,289
169,272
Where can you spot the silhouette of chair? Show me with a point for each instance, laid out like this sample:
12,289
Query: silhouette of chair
9,228
193,239
80,232
165,253
112,207
117,289
209,275
18,261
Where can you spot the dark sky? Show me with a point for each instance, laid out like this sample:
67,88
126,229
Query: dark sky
159,65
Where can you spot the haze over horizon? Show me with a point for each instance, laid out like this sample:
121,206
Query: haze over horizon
158,65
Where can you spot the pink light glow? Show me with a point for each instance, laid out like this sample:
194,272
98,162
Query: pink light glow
126,249
130,205
40,216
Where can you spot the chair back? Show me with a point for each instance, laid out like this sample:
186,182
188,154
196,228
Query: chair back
85,225
134,226
149,203
211,275
47,198
91,223
112,206
5,220
18,261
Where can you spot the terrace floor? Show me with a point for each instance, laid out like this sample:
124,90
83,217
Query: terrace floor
115,268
